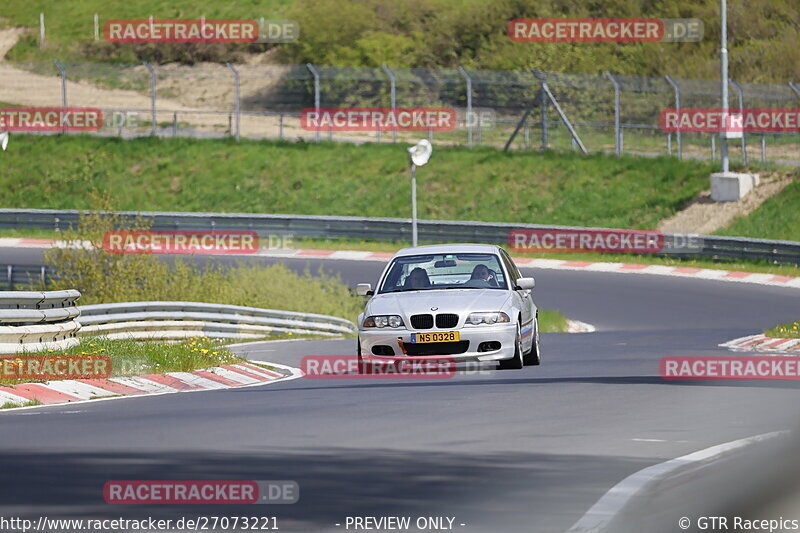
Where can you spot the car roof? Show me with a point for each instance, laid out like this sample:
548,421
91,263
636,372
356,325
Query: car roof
457,248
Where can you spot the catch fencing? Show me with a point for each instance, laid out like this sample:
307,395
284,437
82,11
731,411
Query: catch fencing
610,112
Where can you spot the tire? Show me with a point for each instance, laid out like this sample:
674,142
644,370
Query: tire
533,357
515,363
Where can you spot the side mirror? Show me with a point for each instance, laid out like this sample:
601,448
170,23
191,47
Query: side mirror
526,284
364,289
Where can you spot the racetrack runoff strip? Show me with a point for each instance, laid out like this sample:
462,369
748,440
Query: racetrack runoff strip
734,276
600,515
762,343
58,392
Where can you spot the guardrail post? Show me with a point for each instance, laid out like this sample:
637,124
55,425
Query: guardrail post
62,72
152,95
236,98
617,130
315,73
677,90
175,124
393,88
763,148
10,277
96,28
468,80
741,110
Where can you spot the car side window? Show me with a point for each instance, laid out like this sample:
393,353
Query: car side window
513,271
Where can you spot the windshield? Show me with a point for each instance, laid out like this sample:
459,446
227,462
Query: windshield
444,271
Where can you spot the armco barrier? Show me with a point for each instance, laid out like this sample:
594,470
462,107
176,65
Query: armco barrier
170,320
391,229
35,320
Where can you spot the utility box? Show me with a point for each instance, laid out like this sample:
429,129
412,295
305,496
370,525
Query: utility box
731,186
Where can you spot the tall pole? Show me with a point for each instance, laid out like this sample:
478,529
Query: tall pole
723,56
413,204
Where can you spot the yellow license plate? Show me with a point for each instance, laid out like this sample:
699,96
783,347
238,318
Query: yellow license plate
436,336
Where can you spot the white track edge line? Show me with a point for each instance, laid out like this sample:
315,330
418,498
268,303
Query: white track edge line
600,515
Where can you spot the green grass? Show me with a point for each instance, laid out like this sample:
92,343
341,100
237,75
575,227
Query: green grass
552,322
786,331
11,405
135,357
777,218
344,179
69,24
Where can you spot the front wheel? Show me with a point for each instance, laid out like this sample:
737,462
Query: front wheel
533,357
515,363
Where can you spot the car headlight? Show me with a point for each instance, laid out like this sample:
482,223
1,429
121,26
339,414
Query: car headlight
383,321
487,318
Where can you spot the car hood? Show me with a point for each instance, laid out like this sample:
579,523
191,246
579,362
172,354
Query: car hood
457,301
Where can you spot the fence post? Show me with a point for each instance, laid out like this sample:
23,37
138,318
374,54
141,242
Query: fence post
175,124
713,147
741,110
677,90
763,148
315,73
544,117
152,95
393,81
468,79
236,99
62,72
41,30
617,131
561,114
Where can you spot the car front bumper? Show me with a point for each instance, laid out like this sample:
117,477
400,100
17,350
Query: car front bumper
397,339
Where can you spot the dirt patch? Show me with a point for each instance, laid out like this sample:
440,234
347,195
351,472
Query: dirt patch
705,216
8,38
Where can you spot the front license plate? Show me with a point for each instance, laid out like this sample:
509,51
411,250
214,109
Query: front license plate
438,336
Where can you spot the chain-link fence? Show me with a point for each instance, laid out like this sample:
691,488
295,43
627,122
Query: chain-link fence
606,112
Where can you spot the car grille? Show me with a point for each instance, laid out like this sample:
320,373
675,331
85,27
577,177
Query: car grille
446,320
422,321
436,348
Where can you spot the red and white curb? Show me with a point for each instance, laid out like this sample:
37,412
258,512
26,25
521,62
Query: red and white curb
576,326
762,343
244,374
527,262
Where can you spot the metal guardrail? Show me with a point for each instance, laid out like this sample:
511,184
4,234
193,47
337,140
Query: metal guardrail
381,229
22,315
34,320
163,320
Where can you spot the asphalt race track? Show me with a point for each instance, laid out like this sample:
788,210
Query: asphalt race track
500,451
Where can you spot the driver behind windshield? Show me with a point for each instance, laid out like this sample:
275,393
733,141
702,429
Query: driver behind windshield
481,277
418,279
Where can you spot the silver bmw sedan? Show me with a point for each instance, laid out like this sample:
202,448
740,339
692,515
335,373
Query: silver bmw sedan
465,302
